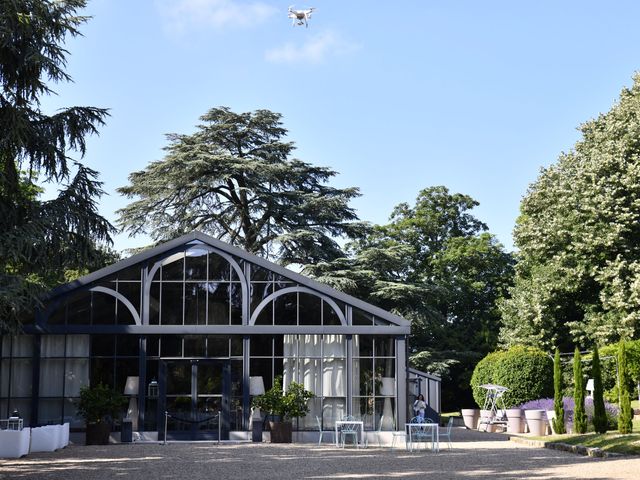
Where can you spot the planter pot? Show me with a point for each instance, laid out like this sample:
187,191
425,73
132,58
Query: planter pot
486,416
471,417
280,432
514,420
537,422
98,433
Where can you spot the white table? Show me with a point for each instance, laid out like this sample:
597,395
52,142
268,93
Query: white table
359,427
433,430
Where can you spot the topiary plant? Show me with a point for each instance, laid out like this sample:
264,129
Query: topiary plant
625,419
599,414
558,406
526,371
579,415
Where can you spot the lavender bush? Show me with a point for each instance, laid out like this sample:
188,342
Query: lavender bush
611,410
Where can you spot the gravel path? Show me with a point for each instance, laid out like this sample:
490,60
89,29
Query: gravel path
474,456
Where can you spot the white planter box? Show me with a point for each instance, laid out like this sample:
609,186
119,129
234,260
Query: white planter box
14,443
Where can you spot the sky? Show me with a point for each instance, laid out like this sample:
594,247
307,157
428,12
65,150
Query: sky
395,96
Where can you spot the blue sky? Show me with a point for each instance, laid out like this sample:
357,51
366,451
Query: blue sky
395,96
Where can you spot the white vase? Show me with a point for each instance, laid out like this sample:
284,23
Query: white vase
537,422
470,417
514,420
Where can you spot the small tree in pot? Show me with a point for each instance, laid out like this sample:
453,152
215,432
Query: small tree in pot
285,406
98,405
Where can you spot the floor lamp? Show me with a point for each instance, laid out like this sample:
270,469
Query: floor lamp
256,387
131,390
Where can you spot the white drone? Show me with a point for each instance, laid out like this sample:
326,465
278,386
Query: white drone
300,17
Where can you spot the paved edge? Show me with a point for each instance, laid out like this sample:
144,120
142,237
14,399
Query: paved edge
566,447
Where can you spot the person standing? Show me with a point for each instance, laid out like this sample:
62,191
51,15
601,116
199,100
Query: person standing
420,406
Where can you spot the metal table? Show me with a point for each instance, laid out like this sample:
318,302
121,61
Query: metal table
430,429
357,423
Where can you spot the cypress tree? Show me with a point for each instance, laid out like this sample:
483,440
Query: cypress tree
579,416
625,419
558,406
599,415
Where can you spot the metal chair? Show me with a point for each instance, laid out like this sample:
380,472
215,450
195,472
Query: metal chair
399,433
349,429
377,431
418,433
322,432
447,433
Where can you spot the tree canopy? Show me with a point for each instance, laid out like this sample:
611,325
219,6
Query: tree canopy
578,273
40,240
234,178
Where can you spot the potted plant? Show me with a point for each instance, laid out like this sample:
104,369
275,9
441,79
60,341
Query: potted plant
98,405
282,407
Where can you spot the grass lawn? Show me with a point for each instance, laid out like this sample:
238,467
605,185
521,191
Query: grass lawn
611,441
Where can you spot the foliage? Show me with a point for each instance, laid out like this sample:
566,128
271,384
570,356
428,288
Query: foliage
558,406
290,404
625,420
525,371
580,418
435,265
599,415
234,179
99,403
609,370
39,240
578,234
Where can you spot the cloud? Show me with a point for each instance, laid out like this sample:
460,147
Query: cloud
315,50
181,15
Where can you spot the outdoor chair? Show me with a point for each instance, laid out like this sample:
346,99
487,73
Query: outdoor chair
399,433
447,433
418,433
347,430
322,432
377,432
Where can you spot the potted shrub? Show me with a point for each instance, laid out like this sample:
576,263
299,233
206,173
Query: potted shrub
282,407
98,405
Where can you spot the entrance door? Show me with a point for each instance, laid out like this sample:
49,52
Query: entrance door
192,392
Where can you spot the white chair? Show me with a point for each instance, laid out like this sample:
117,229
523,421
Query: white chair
377,433
322,432
348,430
418,433
399,433
447,433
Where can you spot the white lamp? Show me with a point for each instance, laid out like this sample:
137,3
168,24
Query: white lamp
131,388
256,387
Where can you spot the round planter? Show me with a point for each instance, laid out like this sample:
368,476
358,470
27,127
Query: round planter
537,422
98,433
514,420
280,432
486,417
470,417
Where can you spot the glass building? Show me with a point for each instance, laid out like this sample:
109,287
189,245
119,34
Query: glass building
195,319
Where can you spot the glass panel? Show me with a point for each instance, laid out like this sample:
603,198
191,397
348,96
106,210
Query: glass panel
153,346
236,346
125,368
334,345
171,346
236,414
209,378
315,410
259,274
329,315
262,368
259,291
362,346
173,270
363,370
179,378
51,377
386,407
131,291
385,346
278,345
359,317
196,264
71,413
79,308
236,378
195,304
363,408
194,346
260,345
219,268
50,410
286,309
102,371
76,375
4,381
333,409
77,346
265,317
128,346
52,346
5,347
218,303
334,378
381,322
22,346
310,309
103,345
172,303
57,317
131,273
218,346
385,372
235,291
103,310
21,377
154,304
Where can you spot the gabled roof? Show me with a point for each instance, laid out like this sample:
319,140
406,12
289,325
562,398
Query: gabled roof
230,249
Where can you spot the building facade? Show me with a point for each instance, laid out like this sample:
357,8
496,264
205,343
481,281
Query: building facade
194,322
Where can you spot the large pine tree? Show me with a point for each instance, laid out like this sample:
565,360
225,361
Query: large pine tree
39,240
234,178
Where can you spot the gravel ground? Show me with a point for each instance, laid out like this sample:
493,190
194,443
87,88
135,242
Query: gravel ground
474,456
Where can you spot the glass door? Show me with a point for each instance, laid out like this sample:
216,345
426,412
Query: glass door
193,392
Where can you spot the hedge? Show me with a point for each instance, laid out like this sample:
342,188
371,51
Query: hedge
527,372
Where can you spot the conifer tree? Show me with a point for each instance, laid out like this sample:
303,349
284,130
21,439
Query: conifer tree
579,416
599,414
625,419
558,406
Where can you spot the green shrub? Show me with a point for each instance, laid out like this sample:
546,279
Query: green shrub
608,356
625,419
600,422
527,372
558,405
579,416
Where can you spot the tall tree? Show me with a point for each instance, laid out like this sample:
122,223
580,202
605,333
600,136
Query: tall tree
579,415
625,419
435,264
41,239
599,413
558,403
234,178
578,236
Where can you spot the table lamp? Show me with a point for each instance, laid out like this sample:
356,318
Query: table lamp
131,389
256,387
